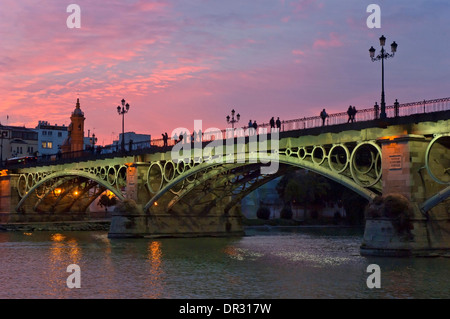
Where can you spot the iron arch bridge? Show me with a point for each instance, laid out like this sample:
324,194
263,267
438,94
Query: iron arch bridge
193,181
195,188
68,190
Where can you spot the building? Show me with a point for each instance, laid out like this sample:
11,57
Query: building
16,141
50,137
75,139
137,141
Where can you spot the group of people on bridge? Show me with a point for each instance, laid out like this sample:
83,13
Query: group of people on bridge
274,124
351,112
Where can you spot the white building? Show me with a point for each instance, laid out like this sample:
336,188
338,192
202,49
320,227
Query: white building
137,141
50,137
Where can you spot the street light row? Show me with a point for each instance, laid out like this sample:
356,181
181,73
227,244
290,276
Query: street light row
232,120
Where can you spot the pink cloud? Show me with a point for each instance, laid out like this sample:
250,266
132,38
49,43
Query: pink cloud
333,41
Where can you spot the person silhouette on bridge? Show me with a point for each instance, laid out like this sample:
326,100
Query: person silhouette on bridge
396,106
272,123
165,138
278,123
350,114
354,111
250,124
324,116
255,126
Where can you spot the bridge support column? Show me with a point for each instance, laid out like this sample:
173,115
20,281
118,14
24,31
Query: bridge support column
395,224
9,198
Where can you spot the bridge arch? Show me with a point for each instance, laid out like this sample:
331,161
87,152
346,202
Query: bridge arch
433,175
68,173
264,158
435,200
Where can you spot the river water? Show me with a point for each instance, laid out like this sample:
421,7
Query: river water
269,263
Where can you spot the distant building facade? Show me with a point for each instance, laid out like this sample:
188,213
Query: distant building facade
136,141
16,141
50,137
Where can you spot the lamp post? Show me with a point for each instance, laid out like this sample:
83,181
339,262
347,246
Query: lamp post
3,135
122,110
233,120
382,56
93,141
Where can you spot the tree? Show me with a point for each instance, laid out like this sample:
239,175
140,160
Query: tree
308,188
106,201
263,213
303,187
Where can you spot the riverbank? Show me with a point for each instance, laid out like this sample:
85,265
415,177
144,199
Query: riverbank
104,225
91,225
292,222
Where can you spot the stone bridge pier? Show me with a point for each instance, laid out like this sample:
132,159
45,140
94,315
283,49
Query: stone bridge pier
202,212
412,218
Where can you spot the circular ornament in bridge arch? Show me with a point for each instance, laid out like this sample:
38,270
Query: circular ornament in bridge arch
155,177
181,166
103,173
121,175
30,180
170,170
288,152
22,185
363,161
302,153
437,159
111,175
338,158
38,177
190,163
318,155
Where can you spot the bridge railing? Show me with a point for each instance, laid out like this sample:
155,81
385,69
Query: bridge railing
362,115
368,114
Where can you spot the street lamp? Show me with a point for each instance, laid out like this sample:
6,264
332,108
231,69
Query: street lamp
382,56
3,135
93,141
122,110
233,120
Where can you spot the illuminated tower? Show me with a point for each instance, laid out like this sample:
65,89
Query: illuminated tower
75,140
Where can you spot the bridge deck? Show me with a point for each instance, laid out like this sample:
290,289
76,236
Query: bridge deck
314,131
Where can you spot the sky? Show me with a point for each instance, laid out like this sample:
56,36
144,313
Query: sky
177,61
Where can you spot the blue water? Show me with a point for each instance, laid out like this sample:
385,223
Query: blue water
266,263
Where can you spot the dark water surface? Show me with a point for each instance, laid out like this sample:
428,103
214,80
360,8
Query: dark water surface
267,263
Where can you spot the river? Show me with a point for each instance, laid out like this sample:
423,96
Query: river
275,263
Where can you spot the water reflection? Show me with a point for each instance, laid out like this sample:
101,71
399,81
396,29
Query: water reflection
63,252
155,283
267,264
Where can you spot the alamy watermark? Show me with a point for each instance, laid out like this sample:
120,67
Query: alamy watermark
374,19
74,279
374,279
237,146
74,19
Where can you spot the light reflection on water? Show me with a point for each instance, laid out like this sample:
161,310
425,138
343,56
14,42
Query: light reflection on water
267,263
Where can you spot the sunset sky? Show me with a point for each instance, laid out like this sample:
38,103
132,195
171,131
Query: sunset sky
177,61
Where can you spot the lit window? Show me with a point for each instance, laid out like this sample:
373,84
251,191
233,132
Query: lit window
47,144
